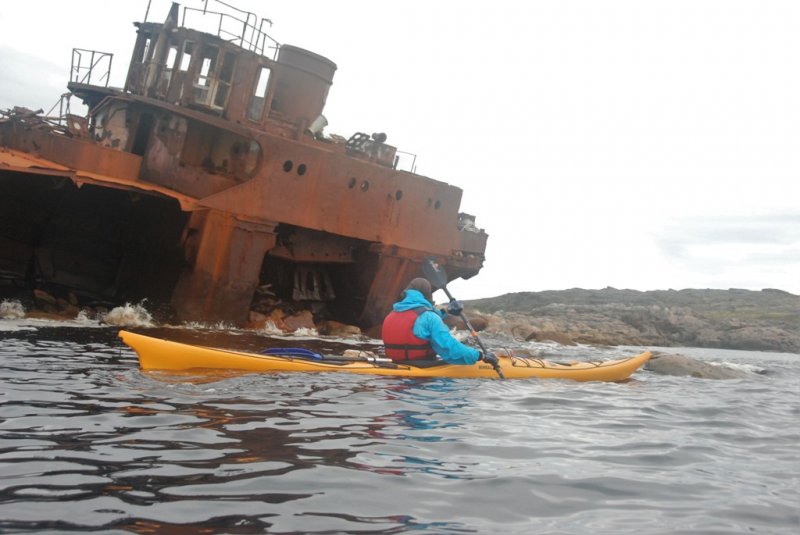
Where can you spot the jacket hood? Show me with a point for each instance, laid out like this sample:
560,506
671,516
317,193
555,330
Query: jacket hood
413,299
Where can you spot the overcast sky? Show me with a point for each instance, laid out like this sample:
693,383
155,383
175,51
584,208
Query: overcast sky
635,144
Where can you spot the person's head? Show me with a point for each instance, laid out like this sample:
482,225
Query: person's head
422,286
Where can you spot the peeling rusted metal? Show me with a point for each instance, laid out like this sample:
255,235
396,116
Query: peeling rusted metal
260,196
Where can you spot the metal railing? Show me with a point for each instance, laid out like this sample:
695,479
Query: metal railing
249,30
87,63
405,161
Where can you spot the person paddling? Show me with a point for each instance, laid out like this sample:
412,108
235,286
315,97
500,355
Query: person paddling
414,330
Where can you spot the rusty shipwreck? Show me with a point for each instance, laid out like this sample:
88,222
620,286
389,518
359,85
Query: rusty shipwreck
207,181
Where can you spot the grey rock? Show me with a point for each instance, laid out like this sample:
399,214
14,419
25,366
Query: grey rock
681,365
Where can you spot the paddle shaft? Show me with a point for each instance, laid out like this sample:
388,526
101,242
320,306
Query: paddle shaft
474,333
299,353
438,278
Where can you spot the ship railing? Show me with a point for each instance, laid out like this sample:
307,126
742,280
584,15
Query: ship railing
405,161
242,28
63,110
64,122
88,63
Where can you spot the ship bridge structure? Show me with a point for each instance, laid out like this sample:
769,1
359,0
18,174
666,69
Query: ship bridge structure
208,181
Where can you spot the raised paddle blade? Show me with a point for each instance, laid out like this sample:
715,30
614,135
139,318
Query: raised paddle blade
434,272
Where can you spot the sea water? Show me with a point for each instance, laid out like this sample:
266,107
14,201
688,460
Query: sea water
89,443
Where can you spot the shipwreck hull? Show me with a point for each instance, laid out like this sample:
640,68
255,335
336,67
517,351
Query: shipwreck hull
206,183
101,244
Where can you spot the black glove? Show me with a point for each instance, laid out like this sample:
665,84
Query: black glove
455,308
489,358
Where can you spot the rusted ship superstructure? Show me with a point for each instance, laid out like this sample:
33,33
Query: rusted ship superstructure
208,178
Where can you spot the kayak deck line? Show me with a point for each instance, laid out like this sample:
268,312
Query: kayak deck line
165,355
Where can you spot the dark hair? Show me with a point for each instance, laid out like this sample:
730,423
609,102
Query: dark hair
422,286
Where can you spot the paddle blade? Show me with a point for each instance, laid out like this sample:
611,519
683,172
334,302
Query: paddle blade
434,272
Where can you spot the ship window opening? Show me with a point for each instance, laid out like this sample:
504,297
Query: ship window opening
364,186
301,169
169,66
143,129
352,183
220,152
205,77
145,50
186,57
172,55
252,158
398,194
225,77
256,107
287,165
242,159
437,205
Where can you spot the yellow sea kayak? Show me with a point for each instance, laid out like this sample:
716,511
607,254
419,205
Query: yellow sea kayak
158,354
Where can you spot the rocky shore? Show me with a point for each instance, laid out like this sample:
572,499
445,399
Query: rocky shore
767,320
733,319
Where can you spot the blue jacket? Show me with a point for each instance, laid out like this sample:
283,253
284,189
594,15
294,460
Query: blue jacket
429,326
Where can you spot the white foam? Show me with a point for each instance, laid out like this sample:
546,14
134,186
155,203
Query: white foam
749,368
33,324
84,316
200,326
270,328
11,309
16,325
305,332
129,315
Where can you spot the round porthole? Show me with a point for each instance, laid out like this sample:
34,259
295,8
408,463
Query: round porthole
352,183
301,169
287,165
364,185
398,194
437,204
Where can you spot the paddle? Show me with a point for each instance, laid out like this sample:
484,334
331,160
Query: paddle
435,273
296,352
307,354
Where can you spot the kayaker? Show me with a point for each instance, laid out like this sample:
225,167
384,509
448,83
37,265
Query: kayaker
414,330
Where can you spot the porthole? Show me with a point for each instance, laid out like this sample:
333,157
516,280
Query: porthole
437,204
301,169
287,165
352,183
364,185
398,194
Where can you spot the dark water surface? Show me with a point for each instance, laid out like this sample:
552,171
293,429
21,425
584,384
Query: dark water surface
89,443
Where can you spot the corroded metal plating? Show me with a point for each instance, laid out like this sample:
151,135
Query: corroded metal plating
227,137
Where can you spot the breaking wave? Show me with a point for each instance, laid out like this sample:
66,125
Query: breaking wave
270,328
305,331
11,310
200,326
128,315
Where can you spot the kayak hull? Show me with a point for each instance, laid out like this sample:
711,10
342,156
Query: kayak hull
165,355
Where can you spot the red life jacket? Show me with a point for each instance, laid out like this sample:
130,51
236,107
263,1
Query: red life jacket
398,336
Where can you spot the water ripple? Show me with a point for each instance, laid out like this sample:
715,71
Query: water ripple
88,442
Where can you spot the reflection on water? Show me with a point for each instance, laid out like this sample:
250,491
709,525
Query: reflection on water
89,442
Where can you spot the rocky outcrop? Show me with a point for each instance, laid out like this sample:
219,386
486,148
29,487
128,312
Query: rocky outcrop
768,320
681,365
